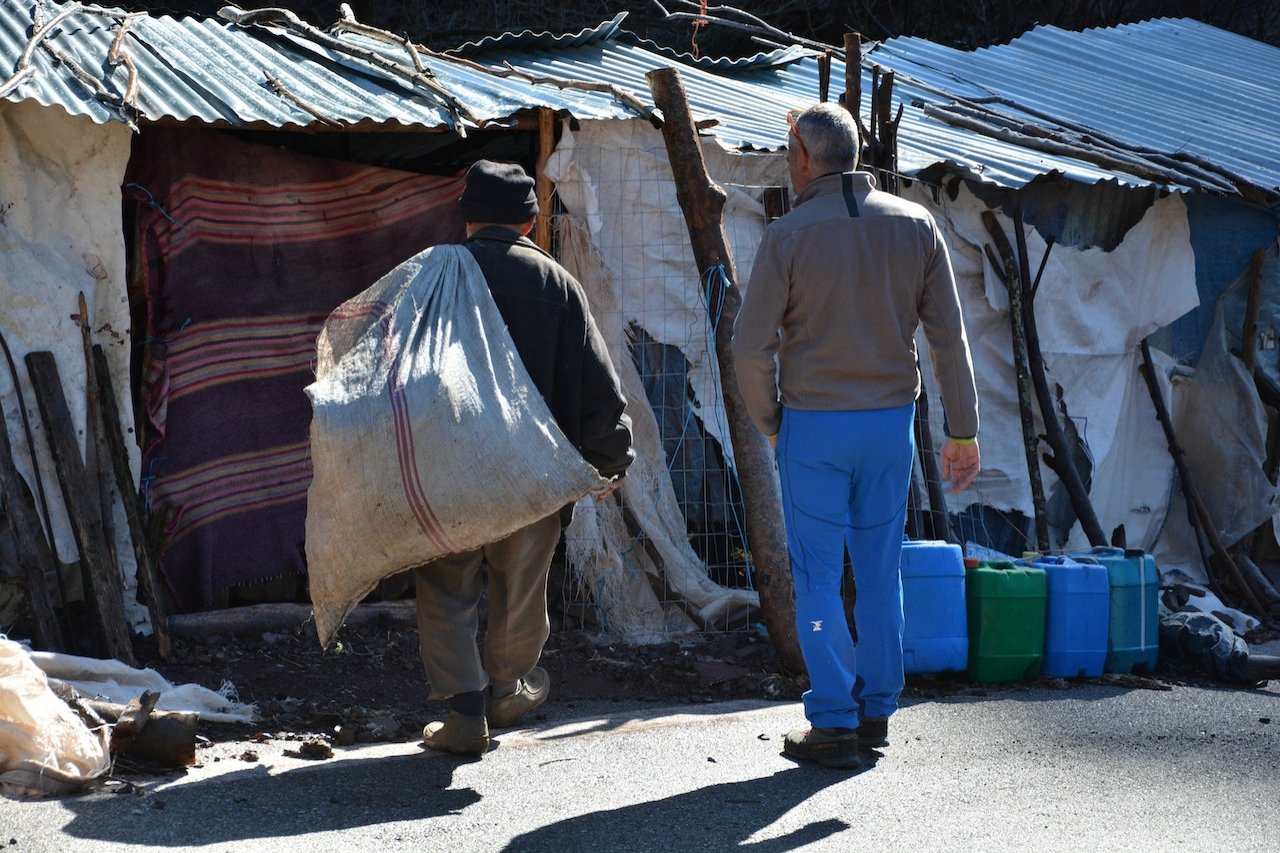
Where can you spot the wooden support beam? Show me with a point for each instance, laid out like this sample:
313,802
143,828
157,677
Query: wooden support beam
104,588
1253,304
254,620
702,203
149,582
542,184
939,522
853,79
1006,268
34,551
97,464
1062,460
1195,506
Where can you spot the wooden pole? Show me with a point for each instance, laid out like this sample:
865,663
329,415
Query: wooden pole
1249,343
542,184
939,523
1006,268
34,551
1189,491
103,587
853,79
94,440
703,205
149,583
1061,460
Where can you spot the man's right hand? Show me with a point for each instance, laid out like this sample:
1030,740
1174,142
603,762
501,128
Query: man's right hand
960,463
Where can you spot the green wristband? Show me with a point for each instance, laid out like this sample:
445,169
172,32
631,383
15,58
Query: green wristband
973,439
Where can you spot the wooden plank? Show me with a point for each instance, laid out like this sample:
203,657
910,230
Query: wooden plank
542,186
34,553
254,620
94,441
149,583
105,592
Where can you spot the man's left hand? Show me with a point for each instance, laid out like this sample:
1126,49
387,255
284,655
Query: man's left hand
611,487
960,463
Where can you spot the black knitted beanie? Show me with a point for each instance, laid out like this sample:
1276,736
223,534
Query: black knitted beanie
498,192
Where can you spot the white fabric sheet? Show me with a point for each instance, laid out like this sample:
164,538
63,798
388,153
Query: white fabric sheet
60,235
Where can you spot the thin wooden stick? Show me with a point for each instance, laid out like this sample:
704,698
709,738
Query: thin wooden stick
279,89
1006,268
1249,342
1061,460
1189,490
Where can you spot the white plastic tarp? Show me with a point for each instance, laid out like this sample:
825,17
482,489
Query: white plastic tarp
626,240
61,235
615,175
1093,308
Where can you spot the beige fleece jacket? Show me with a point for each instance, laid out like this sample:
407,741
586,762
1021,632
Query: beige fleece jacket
830,312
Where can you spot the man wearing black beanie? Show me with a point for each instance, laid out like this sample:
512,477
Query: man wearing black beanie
565,356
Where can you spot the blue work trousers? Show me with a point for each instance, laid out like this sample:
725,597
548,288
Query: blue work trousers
845,476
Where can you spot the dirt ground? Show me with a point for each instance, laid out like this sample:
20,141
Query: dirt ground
370,685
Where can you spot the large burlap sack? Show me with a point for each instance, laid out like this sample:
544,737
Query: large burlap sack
428,437
45,748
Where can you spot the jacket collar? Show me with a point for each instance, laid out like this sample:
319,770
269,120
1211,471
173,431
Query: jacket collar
498,234
863,182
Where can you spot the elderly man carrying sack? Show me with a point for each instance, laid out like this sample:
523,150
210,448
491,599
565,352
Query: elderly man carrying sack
556,339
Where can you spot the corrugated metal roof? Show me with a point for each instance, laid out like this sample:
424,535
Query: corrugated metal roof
748,114
198,69
1178,93
612,31
268,69
528,39
924,143
1189,105
218,72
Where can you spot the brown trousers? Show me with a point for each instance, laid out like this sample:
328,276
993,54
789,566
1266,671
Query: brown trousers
448,596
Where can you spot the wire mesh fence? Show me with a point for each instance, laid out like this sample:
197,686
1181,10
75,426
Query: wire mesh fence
681,547
673,555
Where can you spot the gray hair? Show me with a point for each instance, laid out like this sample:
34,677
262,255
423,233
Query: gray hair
830,135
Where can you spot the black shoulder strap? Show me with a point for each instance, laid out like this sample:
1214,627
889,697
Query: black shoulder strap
850,203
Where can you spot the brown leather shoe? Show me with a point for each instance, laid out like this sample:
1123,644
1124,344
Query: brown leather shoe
459,733
530,693
828,747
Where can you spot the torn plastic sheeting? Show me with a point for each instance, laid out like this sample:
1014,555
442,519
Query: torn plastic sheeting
1092,308
120,684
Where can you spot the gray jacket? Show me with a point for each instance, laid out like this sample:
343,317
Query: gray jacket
836,293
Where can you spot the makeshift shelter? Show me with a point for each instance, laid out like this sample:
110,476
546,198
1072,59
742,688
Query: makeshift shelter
234,252
217,101
1138,264
1150,223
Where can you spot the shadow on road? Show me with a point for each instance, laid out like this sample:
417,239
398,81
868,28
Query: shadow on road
254,803
718,817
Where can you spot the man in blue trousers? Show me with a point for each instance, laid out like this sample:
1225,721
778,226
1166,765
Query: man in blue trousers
824,347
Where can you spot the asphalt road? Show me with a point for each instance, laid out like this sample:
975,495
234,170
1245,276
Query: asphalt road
1084,768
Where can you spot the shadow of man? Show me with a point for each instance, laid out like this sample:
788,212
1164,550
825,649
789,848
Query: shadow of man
257,804
718,817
